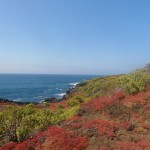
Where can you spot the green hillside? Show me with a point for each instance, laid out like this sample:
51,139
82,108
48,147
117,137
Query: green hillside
101,109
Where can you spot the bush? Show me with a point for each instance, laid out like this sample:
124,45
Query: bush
132,146
75,101
135,82
18,123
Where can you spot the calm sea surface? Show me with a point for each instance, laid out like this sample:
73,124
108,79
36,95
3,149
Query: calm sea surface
35,88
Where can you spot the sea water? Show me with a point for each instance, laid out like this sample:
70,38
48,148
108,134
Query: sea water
35,88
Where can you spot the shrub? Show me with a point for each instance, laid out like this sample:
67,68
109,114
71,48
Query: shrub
53,138
135,82
104,128
18,123
75,101
9,146
132,146
60,139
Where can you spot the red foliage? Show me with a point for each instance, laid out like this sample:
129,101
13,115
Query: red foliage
118,96
132,146
29,144
53,138
75,119
9,146
71,135
127,125
101,102
138,98
60,139
146,126
96,104
73,123
104,127
104,148
87,106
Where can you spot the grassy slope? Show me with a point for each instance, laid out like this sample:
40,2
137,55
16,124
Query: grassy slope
116,118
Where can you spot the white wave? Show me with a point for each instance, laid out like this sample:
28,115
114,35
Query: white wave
60,94
36,97
18,100
74,83
42,101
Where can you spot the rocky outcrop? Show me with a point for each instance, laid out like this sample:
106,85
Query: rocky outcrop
6,101
50,100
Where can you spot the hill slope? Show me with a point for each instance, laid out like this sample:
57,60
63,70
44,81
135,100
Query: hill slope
109,113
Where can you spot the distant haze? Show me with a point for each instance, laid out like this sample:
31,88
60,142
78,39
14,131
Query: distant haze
74,37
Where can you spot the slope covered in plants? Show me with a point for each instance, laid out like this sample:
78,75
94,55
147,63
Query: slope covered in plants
109,113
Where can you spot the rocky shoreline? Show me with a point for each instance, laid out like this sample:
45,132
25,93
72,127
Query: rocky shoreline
7,101
46,100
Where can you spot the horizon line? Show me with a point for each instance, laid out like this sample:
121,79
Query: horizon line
50,74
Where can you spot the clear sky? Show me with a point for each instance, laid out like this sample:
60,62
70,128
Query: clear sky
74,36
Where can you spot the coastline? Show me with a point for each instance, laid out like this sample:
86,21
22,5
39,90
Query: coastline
46,100
7,101
35,88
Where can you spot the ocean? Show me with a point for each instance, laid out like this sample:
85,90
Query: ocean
35,88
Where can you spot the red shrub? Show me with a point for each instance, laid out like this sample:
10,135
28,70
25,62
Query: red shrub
87,106
101,102
104,148
96,104
132,146
104,127
77,122
9,146
127,125
60,139
73,123
118,96
53,138
138,98
25,146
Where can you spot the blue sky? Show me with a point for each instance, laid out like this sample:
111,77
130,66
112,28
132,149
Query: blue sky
74,36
